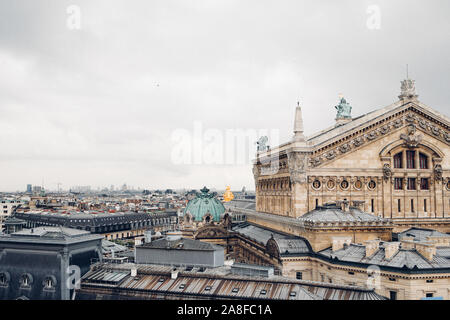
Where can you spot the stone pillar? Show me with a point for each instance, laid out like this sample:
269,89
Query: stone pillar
297,170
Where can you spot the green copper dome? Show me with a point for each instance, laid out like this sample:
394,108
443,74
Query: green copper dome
203,204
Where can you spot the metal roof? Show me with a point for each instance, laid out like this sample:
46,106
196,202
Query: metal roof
157,279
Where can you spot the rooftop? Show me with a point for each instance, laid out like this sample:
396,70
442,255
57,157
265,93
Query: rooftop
403,258
181,244
50,235
333,213
286,244
151,279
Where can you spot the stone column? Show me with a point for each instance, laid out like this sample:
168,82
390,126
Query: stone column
439,205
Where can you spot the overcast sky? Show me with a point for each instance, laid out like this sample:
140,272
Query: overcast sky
106,103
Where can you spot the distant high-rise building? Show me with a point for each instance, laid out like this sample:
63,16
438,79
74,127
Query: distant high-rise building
37,189
29,188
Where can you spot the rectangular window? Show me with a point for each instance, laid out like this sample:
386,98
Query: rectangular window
398,160
424,185
398,183
299,275
412,205
317,203
425,205
399,205
429,295
372,205
410,159
423,160
393,295
411,183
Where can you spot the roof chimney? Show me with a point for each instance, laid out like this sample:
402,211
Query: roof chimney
372,246
440,241
426,249
391,249
340,242
344,204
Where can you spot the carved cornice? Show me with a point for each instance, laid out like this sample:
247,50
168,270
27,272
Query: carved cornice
409,117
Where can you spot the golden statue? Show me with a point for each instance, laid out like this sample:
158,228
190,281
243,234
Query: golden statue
228,195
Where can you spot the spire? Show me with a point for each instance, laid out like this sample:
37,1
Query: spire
298,124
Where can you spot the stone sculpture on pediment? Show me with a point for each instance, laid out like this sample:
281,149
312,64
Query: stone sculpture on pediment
411,140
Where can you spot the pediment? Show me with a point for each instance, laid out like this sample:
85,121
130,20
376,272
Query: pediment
411,115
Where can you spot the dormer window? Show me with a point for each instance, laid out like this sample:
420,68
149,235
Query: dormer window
49,283
4,279
26,280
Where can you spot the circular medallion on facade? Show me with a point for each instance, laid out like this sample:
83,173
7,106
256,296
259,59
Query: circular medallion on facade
316,184
331,184
372,184
448,184
358,184
344,184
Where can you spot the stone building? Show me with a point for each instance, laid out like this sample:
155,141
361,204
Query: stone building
112,225
37,263
395,161
177,251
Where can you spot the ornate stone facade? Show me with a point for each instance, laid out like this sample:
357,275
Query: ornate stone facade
395,160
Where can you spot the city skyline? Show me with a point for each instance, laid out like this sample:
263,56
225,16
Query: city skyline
98,104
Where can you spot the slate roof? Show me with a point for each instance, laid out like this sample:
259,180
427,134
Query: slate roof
420,234
402,259
50,235
287,244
